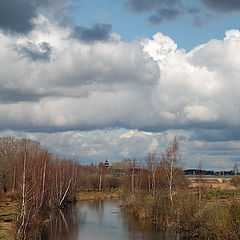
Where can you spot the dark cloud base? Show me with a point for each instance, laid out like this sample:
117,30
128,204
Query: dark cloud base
168,10
98,32
36,52
223,6
16,15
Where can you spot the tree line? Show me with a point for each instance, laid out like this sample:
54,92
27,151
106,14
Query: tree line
37,181
155,190
40,182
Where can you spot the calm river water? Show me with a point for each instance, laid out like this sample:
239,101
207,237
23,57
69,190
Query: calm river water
101,220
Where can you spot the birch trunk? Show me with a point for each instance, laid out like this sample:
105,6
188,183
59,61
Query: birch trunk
171,181
100,180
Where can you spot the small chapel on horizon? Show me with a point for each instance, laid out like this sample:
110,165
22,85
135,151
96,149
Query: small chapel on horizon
106,163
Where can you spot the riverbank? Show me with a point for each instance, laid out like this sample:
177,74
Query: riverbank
216,216
97,195
218,211
8,209
7,217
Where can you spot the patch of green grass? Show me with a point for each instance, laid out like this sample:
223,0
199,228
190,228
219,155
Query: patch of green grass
6,231
3,232
222,194
7,216
7,211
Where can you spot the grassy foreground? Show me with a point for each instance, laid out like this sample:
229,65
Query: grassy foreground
7,217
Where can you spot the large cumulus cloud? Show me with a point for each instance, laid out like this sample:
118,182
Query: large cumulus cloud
199,88
52,81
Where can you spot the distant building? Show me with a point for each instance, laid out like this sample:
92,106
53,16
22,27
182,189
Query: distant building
106,163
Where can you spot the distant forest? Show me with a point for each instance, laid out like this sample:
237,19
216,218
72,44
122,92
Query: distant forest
207,172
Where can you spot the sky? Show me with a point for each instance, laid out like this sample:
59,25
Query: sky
117,79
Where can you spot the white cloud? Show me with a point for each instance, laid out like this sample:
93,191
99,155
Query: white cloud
114,83
160,48
200,113
83,86
153,145
96,147
150,85
197,87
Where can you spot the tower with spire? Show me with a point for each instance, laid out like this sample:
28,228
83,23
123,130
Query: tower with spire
106,163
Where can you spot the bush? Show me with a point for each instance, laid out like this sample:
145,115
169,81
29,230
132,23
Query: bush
236,181
93,182
112,182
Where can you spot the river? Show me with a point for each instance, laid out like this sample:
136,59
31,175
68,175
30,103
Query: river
101,220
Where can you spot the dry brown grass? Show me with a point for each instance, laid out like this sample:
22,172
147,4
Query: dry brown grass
212,184
97,195
7,217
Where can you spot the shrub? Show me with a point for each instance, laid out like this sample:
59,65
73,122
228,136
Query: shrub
112,182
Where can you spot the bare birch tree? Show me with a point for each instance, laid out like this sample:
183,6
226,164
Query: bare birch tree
171,165
152,163
101,173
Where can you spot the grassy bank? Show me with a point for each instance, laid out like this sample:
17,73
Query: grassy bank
97,195
216,217
221,195
7,217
